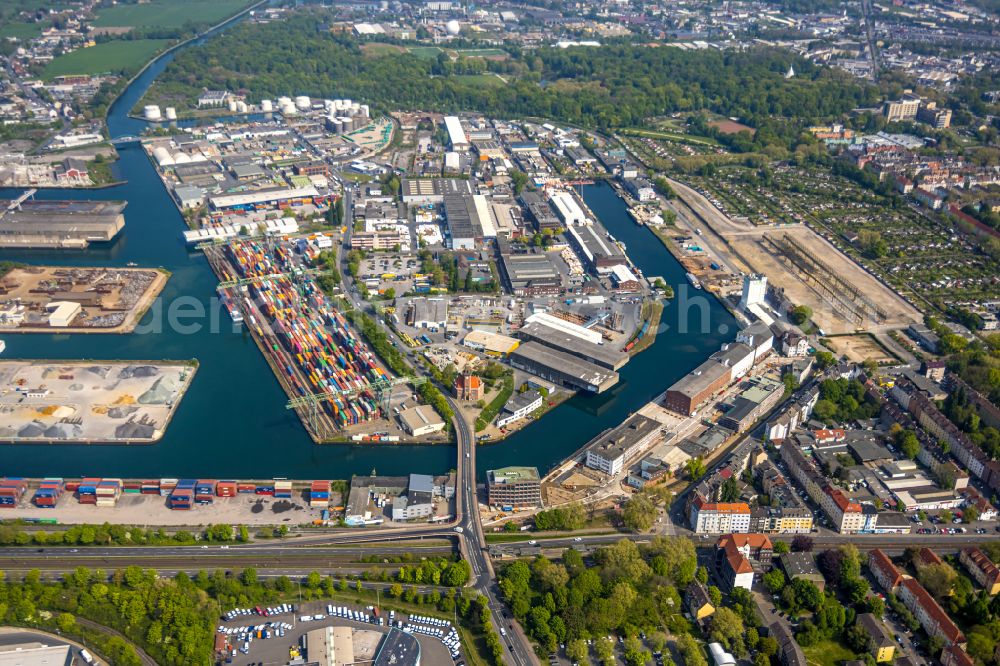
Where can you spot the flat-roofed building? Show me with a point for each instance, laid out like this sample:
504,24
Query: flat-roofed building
456,135
802,566
270,197
562,368
62,313
491,344
599,253
519,406
518,487
398,648
602,355
688,393
539,212
421,420
432,190
610,451
530,273
60,224
427,313
36,653
330,646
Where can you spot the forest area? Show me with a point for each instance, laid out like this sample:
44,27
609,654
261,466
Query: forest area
612,86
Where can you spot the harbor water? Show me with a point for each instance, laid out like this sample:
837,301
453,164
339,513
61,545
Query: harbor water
233,423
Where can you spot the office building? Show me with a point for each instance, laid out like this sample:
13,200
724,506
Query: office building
610,451
519,406
516,487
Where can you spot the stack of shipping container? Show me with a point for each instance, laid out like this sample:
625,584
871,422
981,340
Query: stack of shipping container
48,493
11,490
182,496
108,492
319,494
314,335
225,489
167,487
204,491
86,493
283,488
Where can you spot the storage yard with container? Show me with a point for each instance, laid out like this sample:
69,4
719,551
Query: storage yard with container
69,402
38,299
176,501
332,377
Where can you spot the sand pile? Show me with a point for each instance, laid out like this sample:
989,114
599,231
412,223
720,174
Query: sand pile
160,393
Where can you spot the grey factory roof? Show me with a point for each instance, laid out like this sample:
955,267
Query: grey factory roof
568,364
732,354
248,171
618,440
421,483
596,245
95,220
525,269
601,354
397,649
699,379
459,211
429,310
521,400
416,187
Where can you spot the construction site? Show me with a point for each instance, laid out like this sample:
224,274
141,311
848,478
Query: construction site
97,402
843,296
334,381
40,299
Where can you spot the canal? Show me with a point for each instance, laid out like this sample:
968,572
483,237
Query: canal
233,421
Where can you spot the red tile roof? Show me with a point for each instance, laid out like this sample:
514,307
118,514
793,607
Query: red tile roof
840,499
928,556
878,560
948,629
956,656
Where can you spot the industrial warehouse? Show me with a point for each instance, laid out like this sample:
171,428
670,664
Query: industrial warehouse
60,224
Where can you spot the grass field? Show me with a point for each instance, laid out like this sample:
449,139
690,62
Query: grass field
376,49
107,57
487,80
168,13
481,53
20,30
827,653
428,52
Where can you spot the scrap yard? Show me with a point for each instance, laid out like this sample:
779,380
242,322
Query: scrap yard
38,299
69,402
333,379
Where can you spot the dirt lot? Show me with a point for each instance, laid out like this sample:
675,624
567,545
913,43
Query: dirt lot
742,247
112,300
859,348
781,272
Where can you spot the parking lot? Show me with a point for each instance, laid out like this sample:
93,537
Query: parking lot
260,636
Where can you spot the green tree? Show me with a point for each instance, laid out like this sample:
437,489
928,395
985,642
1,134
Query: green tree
800,314
639,513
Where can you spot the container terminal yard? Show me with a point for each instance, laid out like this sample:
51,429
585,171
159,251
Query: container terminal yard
96,402
333,379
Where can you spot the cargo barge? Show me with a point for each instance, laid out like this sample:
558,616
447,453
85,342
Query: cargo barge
316,356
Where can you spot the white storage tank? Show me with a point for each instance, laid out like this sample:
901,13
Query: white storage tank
171,113
282,101
151,112
232,106
241,107
302,102
265,106
366,111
